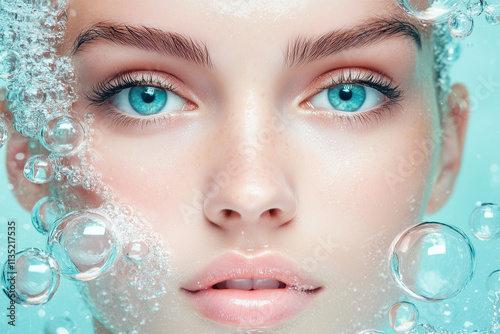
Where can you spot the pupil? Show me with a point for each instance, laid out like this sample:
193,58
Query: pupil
148,95
345,94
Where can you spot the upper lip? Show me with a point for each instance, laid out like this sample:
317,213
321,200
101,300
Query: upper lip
236,266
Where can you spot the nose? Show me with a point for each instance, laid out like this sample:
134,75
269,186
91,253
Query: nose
256,193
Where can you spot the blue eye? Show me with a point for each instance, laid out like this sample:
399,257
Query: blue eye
147,100
347,97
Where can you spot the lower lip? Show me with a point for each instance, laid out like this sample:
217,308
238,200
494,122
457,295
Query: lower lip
254,308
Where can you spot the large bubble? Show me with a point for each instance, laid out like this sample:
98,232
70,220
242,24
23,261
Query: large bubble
63,135
44,214
432,261
31,278
403,316
84,244
485,221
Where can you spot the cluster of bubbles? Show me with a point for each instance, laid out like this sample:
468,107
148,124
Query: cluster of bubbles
433,262
459,14
83,246
30,31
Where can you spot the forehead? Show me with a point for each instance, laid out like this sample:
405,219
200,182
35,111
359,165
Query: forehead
260,20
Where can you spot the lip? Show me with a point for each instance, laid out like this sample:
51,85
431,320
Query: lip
251,308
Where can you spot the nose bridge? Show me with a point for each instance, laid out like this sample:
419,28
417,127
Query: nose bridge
256,187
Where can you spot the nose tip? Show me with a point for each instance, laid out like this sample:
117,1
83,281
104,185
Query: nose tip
272,202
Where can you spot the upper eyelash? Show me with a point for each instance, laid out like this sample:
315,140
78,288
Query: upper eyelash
372,80
105,90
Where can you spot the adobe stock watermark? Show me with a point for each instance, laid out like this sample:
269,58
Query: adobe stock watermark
409,165
249,150
486,88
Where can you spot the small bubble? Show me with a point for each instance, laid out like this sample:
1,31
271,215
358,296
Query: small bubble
3,133
493,282
492,13
136,251
60,325
485,221
461,24
475,7
430,10
453,52
432,261
45,212
63,135
447,312
31,278
402,316
38,169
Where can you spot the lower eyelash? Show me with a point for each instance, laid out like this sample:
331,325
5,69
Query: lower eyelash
117,120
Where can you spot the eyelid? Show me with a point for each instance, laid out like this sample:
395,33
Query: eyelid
142,78
360,76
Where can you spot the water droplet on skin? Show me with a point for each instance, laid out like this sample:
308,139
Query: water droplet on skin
84,244
402,316
461,24
63,135
136,251
432,261
45,212
485,221
38,169
35,281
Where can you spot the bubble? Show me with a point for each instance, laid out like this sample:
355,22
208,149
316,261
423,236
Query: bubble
11,61
493,282
3,133
136,251
34,281
446,312
45,212
492,12
63,135
60,325
475,7
402,316
461,24
453,52
431,10
485,221
84,244
432,261
38,169
371,331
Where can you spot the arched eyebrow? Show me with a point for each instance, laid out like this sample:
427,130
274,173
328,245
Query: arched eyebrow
305,50
150,39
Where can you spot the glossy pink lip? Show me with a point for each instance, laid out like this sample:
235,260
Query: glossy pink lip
252,308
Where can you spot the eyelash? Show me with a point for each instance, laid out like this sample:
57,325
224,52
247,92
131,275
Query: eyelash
105,90
373,80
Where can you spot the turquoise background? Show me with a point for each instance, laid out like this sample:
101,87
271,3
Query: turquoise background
479,180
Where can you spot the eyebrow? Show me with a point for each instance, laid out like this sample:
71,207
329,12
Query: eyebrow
149,39
305,50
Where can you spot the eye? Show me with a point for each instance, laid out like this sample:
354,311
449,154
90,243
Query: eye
147,100
347,97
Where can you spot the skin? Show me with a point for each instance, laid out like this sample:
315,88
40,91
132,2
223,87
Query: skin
307,175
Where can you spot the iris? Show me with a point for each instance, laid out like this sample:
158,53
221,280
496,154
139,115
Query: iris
347,97
147,100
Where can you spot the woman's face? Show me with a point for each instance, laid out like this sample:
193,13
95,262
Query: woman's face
297,130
